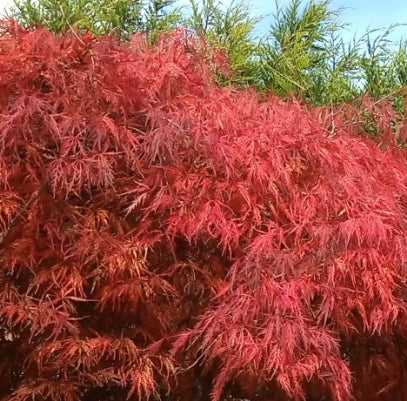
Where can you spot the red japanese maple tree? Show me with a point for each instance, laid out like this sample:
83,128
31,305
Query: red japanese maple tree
161,236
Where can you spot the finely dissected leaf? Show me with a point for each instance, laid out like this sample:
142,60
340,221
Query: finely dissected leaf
161,234
45,389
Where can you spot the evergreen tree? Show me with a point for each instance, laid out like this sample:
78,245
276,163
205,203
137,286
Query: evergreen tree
118,17
230,29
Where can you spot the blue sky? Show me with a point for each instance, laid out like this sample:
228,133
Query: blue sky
359,14
369,14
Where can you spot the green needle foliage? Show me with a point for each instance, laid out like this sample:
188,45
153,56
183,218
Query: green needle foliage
336,80
384,68
160,16
118,17
230,29
296,51
304,55
295,45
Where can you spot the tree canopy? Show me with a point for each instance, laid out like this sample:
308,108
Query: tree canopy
164,236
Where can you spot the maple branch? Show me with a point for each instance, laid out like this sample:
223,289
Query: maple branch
24,208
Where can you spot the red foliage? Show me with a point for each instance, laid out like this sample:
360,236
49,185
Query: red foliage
160,235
